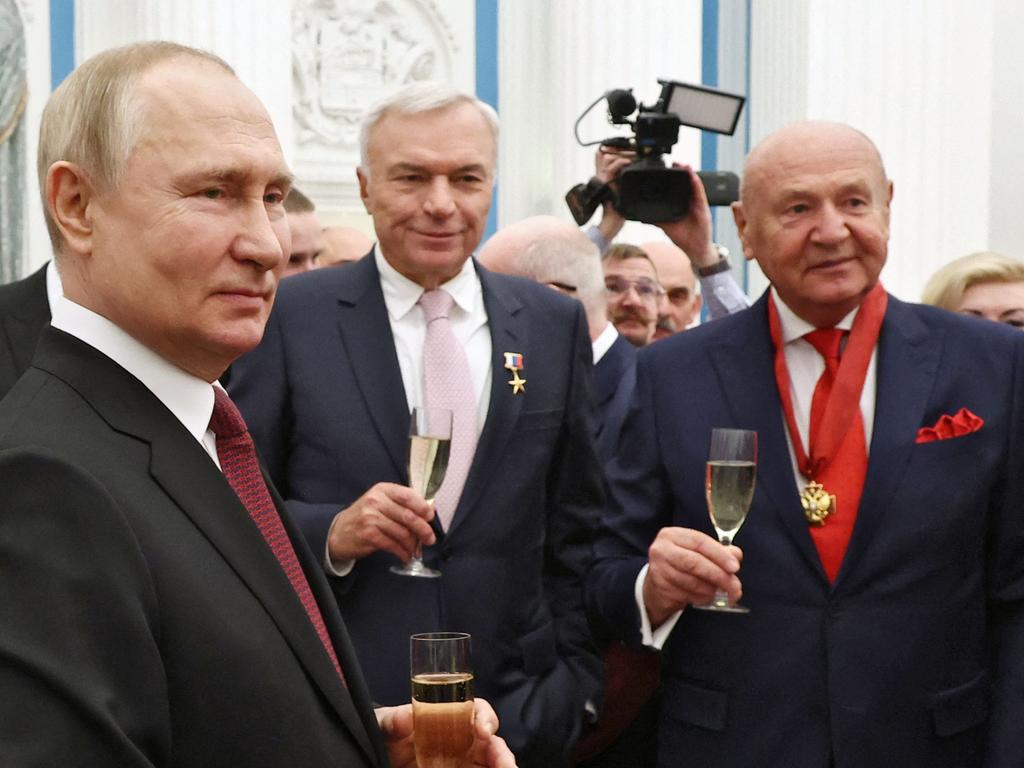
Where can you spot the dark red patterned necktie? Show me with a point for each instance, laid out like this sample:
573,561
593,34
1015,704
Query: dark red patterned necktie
237,456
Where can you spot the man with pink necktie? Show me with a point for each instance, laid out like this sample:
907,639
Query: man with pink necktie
417,322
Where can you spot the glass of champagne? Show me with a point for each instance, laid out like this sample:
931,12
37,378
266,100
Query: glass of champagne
442,698
430,437
729,489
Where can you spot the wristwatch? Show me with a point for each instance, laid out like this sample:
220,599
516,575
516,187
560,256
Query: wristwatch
722,265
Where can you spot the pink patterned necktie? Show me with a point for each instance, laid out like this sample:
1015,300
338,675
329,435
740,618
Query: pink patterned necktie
450,386
237,456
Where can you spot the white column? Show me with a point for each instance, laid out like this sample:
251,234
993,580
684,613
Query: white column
917,77
251,35
556,58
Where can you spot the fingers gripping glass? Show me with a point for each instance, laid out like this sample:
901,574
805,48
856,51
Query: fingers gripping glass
430,436
729,489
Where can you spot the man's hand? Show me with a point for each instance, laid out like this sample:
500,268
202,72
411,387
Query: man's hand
684,567
387,517
488,750
608,161
693,232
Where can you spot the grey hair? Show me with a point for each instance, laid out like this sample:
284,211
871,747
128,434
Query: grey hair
94,118
574,262
413,99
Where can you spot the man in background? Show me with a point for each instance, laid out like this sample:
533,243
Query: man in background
680,303
307,235
881,557
349,352
344,245
159,610
634,293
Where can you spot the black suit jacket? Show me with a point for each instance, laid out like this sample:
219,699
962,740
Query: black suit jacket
324,397
614,379
24,312
145,620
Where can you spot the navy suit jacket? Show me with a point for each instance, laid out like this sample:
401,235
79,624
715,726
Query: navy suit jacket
24,312
324,399
145,620
614,379
913,656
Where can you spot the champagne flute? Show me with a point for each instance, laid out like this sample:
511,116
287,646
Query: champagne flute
442,698
729,489
430,436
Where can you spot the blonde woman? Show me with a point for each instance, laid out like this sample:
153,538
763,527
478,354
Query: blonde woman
985,284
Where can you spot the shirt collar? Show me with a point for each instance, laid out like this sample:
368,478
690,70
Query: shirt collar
604,342
188,397
54,289
794,327
401,293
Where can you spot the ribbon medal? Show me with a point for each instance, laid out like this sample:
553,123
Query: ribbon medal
514,363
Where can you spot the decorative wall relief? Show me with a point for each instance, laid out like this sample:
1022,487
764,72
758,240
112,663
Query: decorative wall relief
346,55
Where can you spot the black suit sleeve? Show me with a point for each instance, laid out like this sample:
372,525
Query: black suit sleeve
574,501
81,675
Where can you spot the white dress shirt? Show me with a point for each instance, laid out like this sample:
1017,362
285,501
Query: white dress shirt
805,366
188,397
54,288
604,341
468,321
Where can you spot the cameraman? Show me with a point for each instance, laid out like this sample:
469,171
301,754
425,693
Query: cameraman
692,234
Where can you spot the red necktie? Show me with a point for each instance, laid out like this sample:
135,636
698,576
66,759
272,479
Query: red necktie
448,385
843,476
237,456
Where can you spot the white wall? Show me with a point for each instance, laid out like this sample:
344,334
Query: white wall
917,76
937,83
558,57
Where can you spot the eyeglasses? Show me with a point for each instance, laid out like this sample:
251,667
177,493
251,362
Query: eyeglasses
646,289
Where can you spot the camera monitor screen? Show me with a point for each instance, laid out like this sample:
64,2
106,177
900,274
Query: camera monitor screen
705,108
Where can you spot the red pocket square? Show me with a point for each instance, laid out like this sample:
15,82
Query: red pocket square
963,423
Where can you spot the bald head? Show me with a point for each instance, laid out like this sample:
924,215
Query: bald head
503,250
680,304
552,251
814,213
795,150
344,244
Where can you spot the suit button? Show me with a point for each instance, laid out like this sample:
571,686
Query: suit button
446,553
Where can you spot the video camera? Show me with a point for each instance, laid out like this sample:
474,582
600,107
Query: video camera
648,190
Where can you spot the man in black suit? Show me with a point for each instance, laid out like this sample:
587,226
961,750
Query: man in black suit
152,616
328,395
24,312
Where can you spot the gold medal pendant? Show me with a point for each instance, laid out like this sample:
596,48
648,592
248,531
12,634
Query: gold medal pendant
818,503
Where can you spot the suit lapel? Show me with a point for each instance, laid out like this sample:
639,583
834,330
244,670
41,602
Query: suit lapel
191,480
508,334
363,322
749,357
908,357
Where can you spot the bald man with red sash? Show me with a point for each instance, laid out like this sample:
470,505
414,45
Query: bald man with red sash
882,560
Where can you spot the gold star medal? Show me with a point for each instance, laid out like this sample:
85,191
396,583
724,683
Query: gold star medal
514,363
818,503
